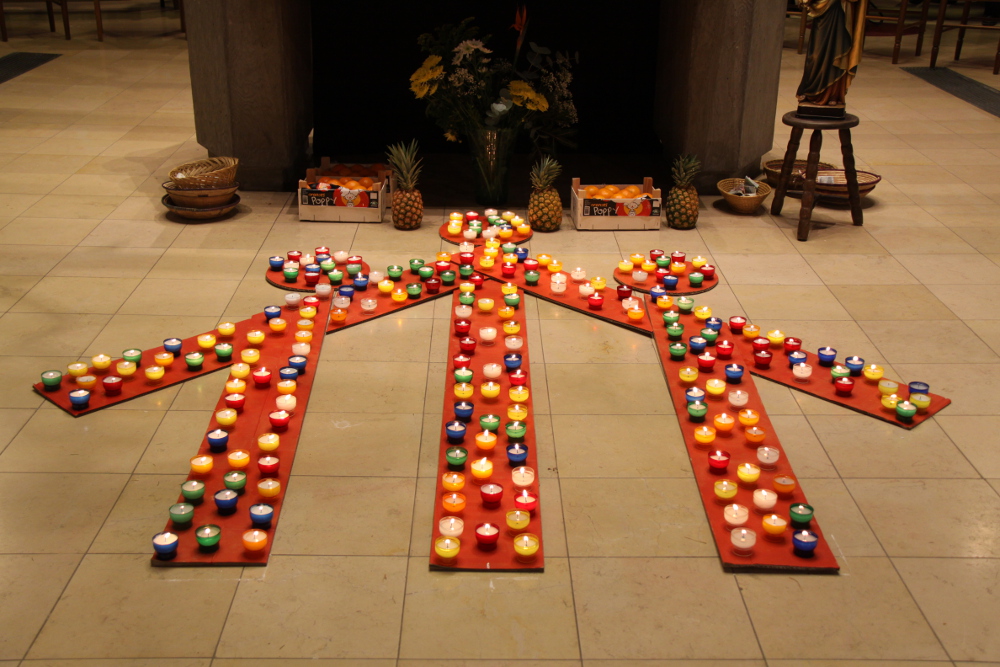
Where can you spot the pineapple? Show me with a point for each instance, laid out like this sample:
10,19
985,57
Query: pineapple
544,206
682,200
407,203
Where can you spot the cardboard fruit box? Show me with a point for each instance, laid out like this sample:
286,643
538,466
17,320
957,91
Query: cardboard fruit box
616,214
339,204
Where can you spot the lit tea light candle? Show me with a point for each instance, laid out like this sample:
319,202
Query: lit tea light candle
486,440
491,494
688,374
748,473
201,465
164,359
268,488
522,477
154,373
738,398
268,442
113,385
453,481
725,489
764,499
704,434
768,457
456,456
804,542
784,484
86,381
235,401
718,460
451,526
262,377
238,459
526,546
100,362
193,489
447,548
181,514
749,417
776,337
518,394
250,356
750,331
165,545
517,412
453,502
920,401
734,374
482,469
800,513
735,515
518,520
774,524
802,372
905,410
715,387
724,422
235,480
268,465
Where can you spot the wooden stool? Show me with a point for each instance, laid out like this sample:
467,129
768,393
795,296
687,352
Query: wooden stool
817,125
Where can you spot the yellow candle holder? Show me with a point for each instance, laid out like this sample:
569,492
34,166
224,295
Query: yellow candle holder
873,372
511,327
453,481
523,229
664,302
774,524
277,324
755,435
485,305
508,215
125,368
698,262
201,465
518,394
749,417
517,412
482,469
625,266
268,442
518,519
286,386
678,268
715,387
443,256
385,286
598,283
207,341
101,362
307,312
399,295
250,355
750,331
235,386
303,336
688,374
447,547
726,489
268,488
226,417
490,389
887,387
636,314
239,371
238,459
467,287
776,336
748,473
164,359
704,435
490,243
702,313
226,329
921,401
636,258
492,253
648,266
508,288
255,337
464,390
555,266
889,401
305,325
543,259
509,258
486,262
154,373
724,422
505,232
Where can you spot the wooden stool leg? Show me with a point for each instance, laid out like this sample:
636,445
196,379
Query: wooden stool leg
180,7
52,15
900,24
851,172
938,27
786,171
3,24
65,14
961,31
923,26
809,190
100,20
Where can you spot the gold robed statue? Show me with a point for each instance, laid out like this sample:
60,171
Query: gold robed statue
832,56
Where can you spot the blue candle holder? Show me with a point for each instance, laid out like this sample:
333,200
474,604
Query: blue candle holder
734,374
694,394
218,440
697,344
225,501
670,282
277,263
80,398
313,268
456,431
805,542
522,254
165,545
172,345
827,355
298,363
361,283
261,515
656,291
919,388
517,453
854,364
464,410
797,357
512,361
346,290
288,373
321,257
714,323
271,312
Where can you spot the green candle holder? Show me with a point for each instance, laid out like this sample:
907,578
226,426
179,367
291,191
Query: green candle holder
800,513
194,360
532,277
193,489
697,410
182,513
710,335
208,535
52,379
224,351
353,269
336,277
415,265
456,456
494,220
905,410
235,480
675,330
291,275
671,317
466,298
463,375
516,429
134,355
685,305
508,248
512,300
413,290
448,277
677,351
466,270
395,272
696,279
425,272
327,265
489,422
839,372
663,261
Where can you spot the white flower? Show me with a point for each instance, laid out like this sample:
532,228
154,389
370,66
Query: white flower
466,48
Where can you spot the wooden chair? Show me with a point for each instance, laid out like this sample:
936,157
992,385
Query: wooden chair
178,4
52,18
803,18
941,25
901,28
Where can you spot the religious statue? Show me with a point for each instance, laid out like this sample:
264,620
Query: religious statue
832,57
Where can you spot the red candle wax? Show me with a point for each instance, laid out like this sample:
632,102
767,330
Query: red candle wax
467,344
476,280
294,255
311,300
526,500
678,256
792,344
507,269
268,465
724,349
354,259
736,323
112,385
322,250
487,534
433,285
262,377
595,301
624,292
708,271
462,327
279,419
660,272
844,386
311,278
655,255
706,362
442,266
466,257
530,264
471,216
718,460
491,493
760,343
461,360
762,359
518,377
235,401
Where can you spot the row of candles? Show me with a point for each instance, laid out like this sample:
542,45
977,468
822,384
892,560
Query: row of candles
667,269
498,225
481,469
226,500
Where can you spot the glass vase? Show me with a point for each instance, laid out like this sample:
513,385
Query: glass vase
492,150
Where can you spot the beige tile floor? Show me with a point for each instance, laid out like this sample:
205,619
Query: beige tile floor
89,263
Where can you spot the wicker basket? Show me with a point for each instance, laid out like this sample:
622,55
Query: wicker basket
201,198
743,204
201,213
211,172
837,191
772,169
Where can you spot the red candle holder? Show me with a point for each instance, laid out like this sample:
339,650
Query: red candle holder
792,344
487,534
354,259
312,278
322,250
623,292
112,385
279,419
706,362
762,359
760,343
518,378
294,255
708,271
433,285
442,266
595,301
844,386
476,280
660,272
471,216
526,500
311,301
530,264
466,257
678,256
268,465
724,349
507,269
718,460
491,493
736,324
467,344
262,377
655,255
461,360
235,401
462,327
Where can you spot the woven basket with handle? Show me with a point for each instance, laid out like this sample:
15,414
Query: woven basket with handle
208,173
743,204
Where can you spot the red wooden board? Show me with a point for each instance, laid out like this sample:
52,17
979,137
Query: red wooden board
251,424
767,554
611,311
471,556
517,238
865,398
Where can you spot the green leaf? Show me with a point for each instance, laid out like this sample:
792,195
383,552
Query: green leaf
539,49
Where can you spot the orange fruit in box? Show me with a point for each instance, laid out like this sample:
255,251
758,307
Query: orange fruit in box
631,191
613,189
590,190
366,182
351,184
603,193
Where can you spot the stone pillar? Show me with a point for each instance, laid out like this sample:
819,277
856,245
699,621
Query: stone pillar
251,78
717,83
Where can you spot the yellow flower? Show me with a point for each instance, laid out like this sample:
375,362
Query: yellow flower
422,81
522,94
450,135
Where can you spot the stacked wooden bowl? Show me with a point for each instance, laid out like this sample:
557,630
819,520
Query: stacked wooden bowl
204,189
